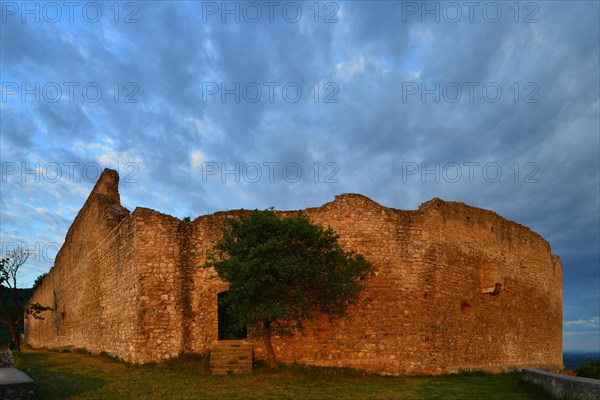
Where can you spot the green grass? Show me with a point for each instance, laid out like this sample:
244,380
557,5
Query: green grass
74,375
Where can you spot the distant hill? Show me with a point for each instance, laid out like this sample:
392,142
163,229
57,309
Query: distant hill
575,359
4,332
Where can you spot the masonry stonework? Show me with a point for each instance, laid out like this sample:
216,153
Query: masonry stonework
456,288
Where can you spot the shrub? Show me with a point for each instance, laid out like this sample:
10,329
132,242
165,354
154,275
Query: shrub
185,358
206,360
590,369
109,356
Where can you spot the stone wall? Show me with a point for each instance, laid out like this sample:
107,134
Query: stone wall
115,285
563,386
16,385
425,311
92,286
455,288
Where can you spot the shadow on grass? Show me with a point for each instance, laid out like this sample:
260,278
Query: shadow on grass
541,392
61,375
51,379
64,386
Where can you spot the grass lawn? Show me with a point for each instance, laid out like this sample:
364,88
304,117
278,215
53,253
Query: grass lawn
81,376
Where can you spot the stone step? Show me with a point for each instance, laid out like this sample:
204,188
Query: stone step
229,351
225,371
231,356
232,350
228,360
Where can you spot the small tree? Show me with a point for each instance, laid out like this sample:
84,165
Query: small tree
283,271
13,306
38,281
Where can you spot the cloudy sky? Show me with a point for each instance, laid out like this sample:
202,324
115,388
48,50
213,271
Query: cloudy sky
207,106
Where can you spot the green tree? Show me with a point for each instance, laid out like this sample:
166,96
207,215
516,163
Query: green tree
38,281
13,306
282,271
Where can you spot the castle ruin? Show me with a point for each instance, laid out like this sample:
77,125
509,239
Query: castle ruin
456,288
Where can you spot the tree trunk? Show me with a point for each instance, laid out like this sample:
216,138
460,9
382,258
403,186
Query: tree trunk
15,337
269,345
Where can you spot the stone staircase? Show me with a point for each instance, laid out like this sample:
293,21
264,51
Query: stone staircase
231,356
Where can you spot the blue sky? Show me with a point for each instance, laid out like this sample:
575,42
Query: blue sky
208,106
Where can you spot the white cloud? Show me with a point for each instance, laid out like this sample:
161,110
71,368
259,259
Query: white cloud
375,67
206,128
196,159
593,322
42,210
111,158
347,69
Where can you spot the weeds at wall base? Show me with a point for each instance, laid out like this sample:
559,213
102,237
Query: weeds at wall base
182,358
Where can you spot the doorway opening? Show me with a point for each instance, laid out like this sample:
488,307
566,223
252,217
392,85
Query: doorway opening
227,329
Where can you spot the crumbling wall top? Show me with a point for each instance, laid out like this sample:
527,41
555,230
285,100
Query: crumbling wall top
108,185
